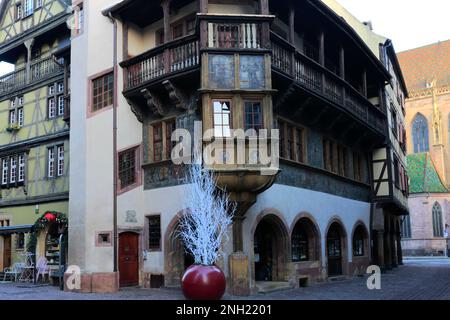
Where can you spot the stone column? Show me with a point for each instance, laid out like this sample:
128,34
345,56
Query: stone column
387,247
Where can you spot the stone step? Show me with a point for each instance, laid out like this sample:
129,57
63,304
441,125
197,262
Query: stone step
337,278
272,286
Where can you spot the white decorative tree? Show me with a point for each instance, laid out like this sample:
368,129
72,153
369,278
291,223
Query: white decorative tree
204,227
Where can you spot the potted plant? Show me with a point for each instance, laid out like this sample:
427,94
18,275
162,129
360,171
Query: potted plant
204,229
13,127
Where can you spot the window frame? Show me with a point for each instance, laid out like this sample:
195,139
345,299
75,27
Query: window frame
359,238
261,114
6,162
137,169
91,112
153,247
230,114
284,139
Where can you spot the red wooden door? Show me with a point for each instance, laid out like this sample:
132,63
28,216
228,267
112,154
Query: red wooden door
7,251
129,259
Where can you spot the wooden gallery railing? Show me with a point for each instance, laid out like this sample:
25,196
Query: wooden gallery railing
175,56
311,75
38,70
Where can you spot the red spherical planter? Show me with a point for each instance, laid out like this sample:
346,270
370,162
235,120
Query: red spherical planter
50,217
203,283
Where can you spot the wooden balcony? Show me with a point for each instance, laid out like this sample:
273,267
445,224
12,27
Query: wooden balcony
315,78
39,70
170,58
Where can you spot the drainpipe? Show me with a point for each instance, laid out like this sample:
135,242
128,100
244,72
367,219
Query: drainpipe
115,243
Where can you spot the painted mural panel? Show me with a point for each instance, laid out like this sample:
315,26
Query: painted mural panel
251,72
221,71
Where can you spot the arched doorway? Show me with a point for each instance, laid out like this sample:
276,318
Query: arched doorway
335,249
270,249
177,257
305,241
129,259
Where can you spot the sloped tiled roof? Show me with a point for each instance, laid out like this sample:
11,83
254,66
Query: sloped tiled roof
425,64
423,176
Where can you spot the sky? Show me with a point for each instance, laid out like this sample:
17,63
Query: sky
408,23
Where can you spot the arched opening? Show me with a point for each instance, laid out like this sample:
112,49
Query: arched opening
177,257
270,249
335,249
420,134
360,241
305,241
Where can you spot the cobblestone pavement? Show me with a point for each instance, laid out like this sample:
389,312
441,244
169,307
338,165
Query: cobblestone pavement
427,279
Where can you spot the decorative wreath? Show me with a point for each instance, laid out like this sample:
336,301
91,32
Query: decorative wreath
41,223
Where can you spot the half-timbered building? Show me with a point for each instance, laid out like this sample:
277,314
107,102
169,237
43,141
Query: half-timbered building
34,136
142,69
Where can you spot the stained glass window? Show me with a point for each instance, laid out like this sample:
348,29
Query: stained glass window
420,134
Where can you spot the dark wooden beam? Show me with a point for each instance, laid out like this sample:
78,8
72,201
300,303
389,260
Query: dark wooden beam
203,6
364,82
322,48
165,4
292,25
264,6
342,63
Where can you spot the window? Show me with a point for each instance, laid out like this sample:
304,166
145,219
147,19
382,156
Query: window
16,113
300,244
5,171
358,242
51,162
394,123
162,140
222,118
51,108
342,160
357,167
291,142
157,143
329,155
406,227
102,92
55,102
78,20
177,30
154,232
19,11
21,177
438,230
20,119
253,115
420,134
60,105
20,241
160,37
60,150
128,168
38,3
170,128
4,223
13,170
396,172
28,7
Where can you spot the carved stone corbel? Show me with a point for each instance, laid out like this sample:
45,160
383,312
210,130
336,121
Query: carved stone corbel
153,102
137,110
176,95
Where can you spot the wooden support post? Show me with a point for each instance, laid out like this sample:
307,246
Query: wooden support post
203,6
166,22
292,25
29,45
342,63
322,48
264,6
364,83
